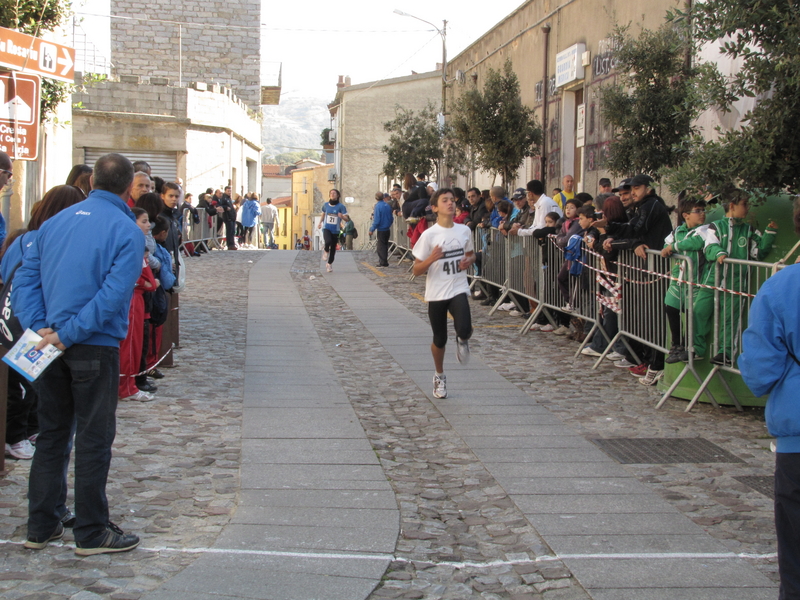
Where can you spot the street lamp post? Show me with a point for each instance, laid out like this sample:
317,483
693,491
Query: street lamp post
442,32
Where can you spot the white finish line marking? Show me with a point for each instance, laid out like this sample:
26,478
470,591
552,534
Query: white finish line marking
455,565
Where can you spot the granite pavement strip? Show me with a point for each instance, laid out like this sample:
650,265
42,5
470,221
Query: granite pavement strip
471,504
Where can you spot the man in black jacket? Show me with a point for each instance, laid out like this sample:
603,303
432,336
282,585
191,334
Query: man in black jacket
228,217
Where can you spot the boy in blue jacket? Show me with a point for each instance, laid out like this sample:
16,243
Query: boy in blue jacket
769,365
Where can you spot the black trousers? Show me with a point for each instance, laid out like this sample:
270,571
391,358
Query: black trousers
787,523
382,238
458,306
331,239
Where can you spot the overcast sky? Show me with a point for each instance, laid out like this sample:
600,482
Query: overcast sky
318,40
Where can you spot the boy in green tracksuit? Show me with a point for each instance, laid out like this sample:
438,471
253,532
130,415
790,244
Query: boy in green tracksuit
686,239
730,237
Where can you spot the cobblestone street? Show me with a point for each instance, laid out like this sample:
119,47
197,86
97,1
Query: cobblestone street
178,476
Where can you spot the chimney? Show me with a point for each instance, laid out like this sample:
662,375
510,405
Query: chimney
347,81
341,82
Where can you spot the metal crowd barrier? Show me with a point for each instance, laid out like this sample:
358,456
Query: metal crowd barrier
736,283
200,234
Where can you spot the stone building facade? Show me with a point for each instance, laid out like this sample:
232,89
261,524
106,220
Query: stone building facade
579,60
198,40
358,115
203,134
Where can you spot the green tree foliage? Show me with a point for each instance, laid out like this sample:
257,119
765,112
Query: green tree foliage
496,126
652,104
289,158
764,154
33,17
415,142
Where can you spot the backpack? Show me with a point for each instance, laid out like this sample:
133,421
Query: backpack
355,233
160,306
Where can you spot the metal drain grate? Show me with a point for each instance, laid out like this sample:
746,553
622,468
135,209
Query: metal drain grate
629,451
763,484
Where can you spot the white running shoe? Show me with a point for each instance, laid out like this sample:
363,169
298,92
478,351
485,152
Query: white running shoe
329,268
536,327
506,306
589,351
614,356
439,386
563,330
624,364
547,328
140,396
22,450
651,377
462,351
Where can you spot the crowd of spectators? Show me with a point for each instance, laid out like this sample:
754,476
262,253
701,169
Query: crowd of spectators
630,216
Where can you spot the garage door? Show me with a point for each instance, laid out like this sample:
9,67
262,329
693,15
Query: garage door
162,164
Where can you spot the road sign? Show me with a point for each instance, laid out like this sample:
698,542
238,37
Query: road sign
19,115
22,52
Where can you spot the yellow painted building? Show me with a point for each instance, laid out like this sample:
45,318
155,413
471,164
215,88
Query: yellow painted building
310,189
283,233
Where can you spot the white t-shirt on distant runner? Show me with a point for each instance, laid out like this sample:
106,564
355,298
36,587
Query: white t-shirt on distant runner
445,278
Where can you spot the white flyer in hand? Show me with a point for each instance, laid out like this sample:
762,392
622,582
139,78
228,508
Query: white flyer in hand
26,360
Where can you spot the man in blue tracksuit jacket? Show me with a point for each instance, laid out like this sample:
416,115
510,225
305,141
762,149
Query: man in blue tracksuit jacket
769,365
74,288
382,220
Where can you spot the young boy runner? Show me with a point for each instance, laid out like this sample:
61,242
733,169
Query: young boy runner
730,237
445,252
687,239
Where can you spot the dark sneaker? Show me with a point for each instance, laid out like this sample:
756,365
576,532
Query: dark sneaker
147,387
675,354
37,543
68,520
155,374
721,359
113,540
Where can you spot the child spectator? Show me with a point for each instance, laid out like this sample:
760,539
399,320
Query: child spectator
729,237
687,239
462,214
130,349
574,261
306,240
568,226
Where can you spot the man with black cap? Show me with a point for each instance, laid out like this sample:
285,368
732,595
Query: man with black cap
648,228
605,185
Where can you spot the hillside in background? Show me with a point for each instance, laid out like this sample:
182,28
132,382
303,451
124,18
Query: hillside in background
294,125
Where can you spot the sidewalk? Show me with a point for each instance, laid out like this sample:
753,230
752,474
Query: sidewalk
353,482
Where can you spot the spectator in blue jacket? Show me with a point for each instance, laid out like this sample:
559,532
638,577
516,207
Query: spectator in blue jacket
74,288
382,220
769,365
5,177
251,210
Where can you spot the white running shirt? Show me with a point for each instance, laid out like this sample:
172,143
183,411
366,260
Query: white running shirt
445,279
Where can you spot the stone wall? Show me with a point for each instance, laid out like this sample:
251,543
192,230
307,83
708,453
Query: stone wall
361,115
212,134
220,41
519,38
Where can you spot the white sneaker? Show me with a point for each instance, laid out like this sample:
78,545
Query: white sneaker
439,386
563,330
140,396
614,356
22,450
589,351
547,328
329,268
506,306
462,351
623,364
515,313
651,377
569,308
536,327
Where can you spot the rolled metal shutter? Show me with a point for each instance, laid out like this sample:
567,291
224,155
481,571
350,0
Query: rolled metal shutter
162,164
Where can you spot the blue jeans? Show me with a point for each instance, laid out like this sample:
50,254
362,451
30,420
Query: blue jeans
77,393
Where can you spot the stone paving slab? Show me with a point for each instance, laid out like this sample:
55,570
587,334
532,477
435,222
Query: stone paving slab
635,544
344,499
676,593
